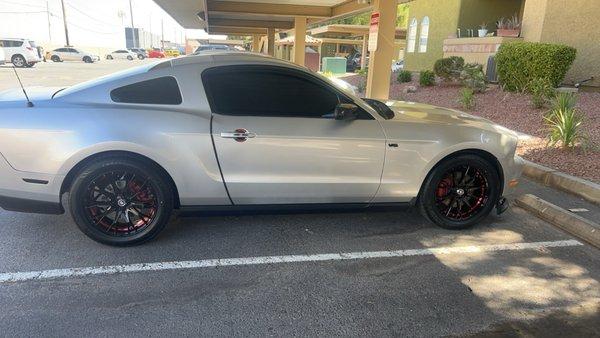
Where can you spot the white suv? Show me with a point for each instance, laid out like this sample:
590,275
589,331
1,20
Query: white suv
72,54
21,52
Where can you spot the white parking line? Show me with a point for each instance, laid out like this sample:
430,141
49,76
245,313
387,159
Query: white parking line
208,263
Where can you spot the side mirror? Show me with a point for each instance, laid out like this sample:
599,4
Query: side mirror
345,111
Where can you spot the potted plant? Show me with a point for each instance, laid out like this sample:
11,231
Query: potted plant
483,30
509,27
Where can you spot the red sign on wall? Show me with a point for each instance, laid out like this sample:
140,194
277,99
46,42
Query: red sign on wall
373,29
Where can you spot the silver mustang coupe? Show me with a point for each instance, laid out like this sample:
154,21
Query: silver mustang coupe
226,130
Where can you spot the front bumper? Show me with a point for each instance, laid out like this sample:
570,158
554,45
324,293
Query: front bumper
30,206
29,192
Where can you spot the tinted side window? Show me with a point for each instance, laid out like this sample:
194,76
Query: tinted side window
162,90
249,91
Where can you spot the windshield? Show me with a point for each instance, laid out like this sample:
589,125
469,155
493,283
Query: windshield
380,107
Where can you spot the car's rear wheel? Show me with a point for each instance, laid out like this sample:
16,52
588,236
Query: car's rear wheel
18,61
121,201
460,192
109,57
87,59
140,56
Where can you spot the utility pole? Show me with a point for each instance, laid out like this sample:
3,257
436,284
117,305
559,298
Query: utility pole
49,27
132,27
62,2
162,33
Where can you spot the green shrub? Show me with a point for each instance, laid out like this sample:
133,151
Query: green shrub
466,98
472,77
449,68
404,76
541,91
363,72
564,122
519,62
426,78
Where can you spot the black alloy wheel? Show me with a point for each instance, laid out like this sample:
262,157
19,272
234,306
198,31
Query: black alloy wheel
460,192
121,201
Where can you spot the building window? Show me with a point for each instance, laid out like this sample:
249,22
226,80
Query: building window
424,35
412,36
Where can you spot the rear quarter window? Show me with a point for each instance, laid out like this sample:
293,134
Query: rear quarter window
162,90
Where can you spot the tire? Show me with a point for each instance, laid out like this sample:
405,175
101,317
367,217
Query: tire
460,192
109,57
87,59
19,61
140,57
129,57
108,196
55,58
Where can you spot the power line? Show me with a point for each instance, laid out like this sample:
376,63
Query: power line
21,4
89,16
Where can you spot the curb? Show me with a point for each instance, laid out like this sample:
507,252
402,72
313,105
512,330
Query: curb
589,191
563,219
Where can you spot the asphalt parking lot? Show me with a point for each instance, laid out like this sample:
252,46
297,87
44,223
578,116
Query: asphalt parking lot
377,273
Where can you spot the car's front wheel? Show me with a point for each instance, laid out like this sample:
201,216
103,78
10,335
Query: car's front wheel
129,57
121,200
55,58
87,59
460,192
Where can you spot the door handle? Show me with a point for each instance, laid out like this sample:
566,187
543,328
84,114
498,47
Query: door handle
239,135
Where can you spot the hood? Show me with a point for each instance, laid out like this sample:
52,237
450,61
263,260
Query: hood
405,111
34,93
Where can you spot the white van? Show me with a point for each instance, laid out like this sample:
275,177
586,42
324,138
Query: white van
21,52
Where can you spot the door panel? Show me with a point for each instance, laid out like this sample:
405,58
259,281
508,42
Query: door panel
294,160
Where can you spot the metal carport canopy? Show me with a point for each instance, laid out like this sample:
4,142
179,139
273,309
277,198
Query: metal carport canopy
230,15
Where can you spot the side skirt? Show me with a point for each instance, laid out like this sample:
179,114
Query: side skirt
288,208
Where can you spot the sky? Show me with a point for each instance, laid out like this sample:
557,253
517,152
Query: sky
90,22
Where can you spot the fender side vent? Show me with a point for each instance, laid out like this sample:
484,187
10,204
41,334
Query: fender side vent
34,181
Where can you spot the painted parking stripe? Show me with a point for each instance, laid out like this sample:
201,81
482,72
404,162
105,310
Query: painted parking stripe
222,262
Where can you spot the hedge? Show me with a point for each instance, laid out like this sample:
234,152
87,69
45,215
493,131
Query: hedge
520,62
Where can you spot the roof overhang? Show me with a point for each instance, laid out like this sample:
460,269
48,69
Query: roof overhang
342,30
241,16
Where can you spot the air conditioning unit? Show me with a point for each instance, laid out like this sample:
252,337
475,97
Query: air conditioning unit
491,71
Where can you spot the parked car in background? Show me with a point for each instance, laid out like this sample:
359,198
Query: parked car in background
172,52
72,54
20,52
241,131
353,61
122,54
140,52
205,48
397,65
2,57
156,53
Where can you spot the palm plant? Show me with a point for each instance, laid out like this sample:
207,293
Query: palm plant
564,122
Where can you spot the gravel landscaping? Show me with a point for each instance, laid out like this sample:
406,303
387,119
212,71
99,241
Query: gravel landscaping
516,112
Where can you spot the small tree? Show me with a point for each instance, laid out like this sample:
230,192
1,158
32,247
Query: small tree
404,76
472,77
426,78
449,69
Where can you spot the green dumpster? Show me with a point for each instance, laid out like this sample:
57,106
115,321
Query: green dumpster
336,65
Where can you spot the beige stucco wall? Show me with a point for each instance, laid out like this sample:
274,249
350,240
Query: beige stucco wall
574,23
443,22
446,16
